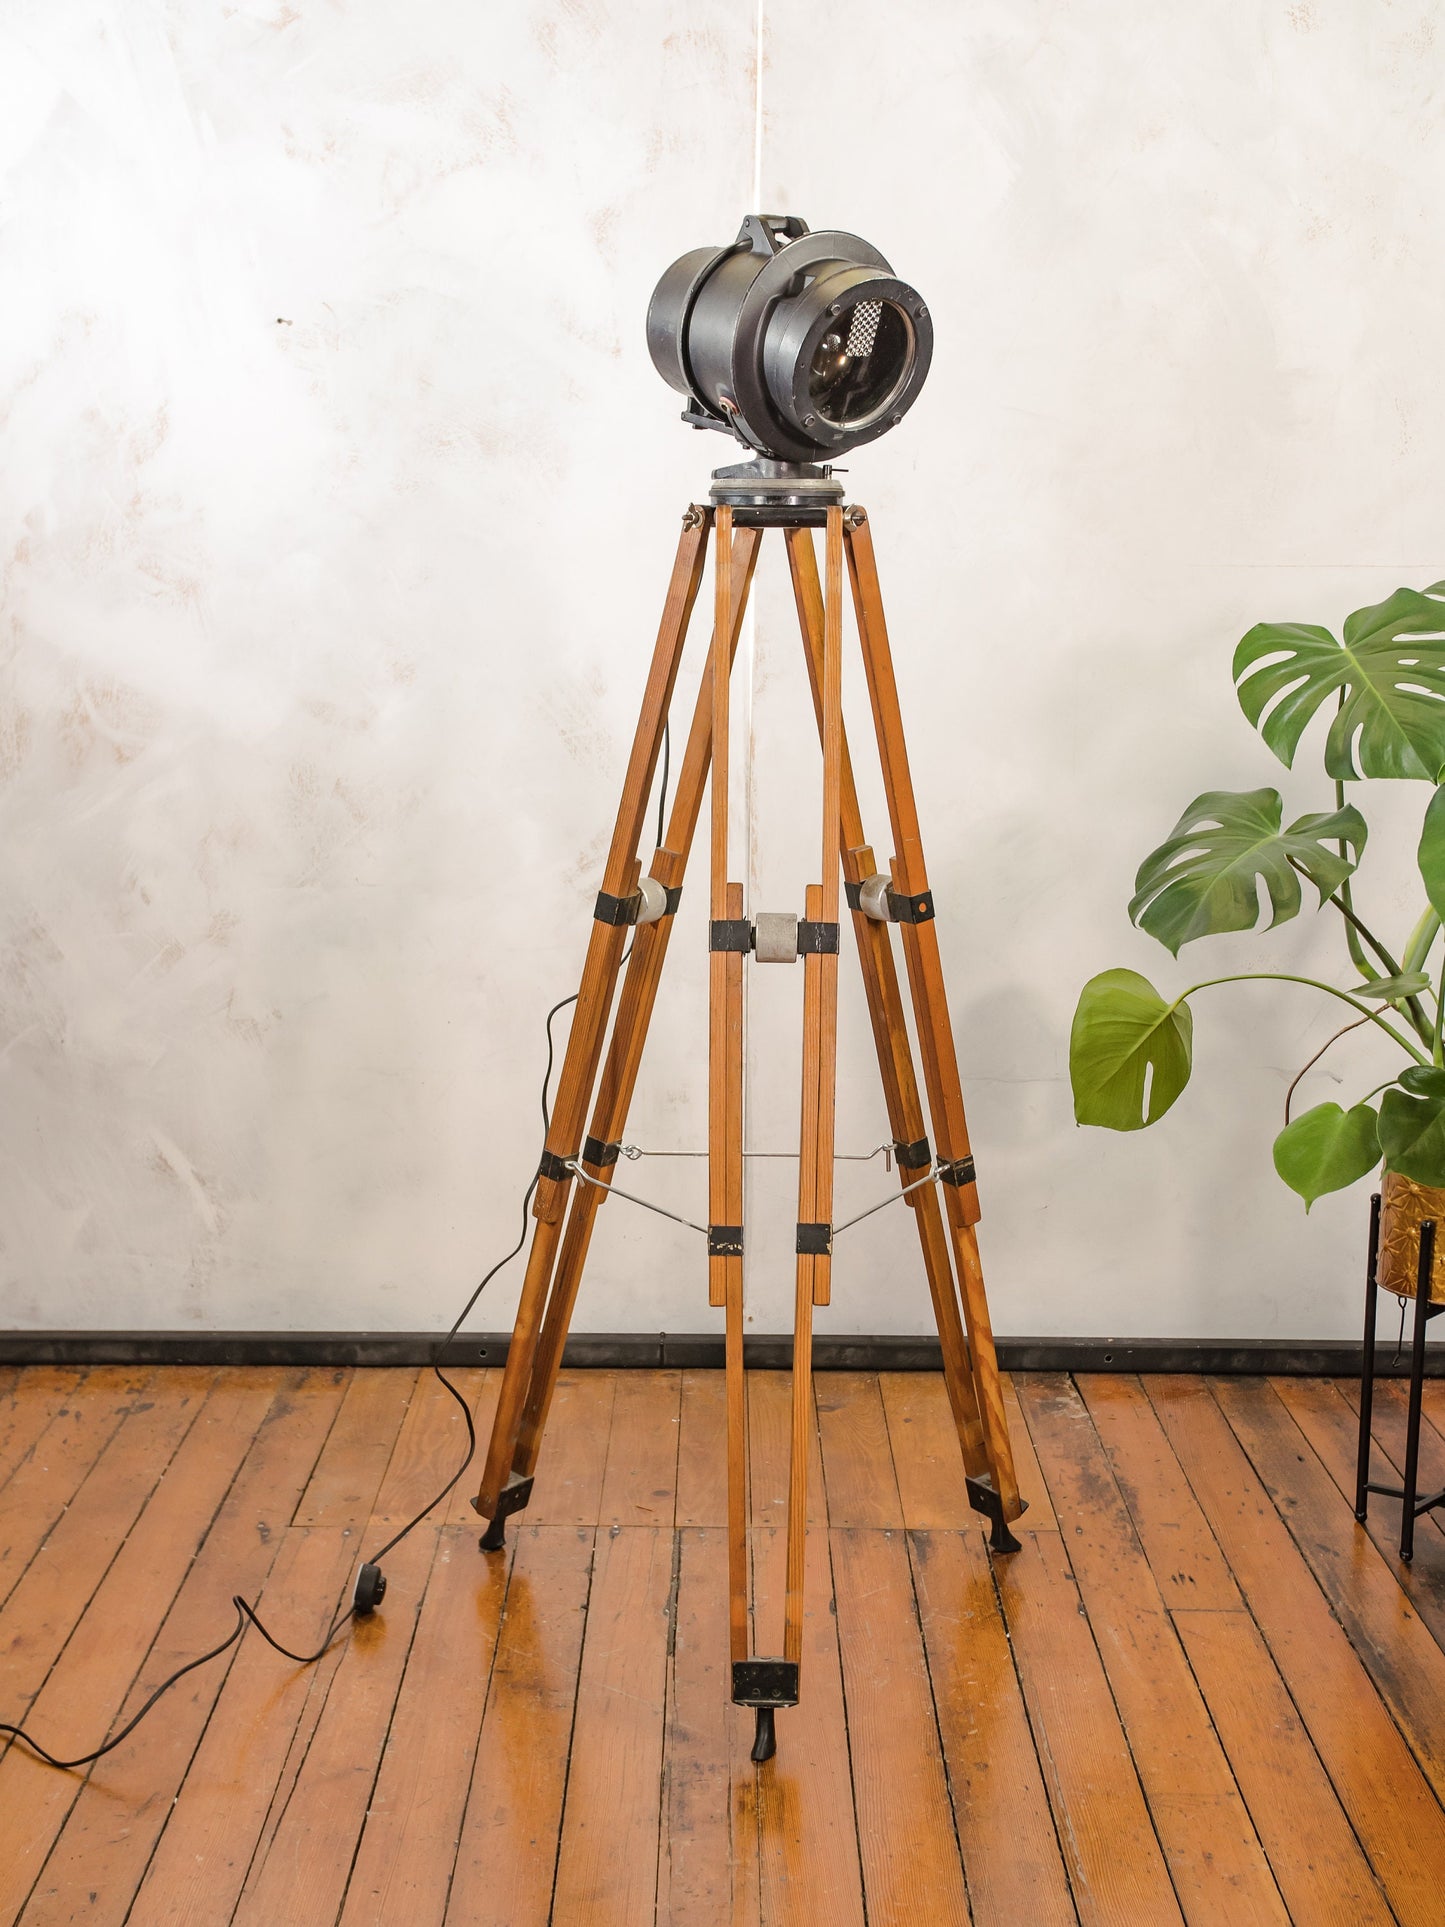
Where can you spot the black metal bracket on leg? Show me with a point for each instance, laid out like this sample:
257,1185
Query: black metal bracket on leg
983,1498
765,1685
512,1498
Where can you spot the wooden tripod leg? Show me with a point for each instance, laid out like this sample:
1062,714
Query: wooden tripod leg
820,1050
499,1494
890,1037
725,1113
935,1033
629,1034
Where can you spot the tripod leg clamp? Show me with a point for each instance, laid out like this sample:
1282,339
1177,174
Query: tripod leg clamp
817,939
765,1682
959,1171
730,933
617,910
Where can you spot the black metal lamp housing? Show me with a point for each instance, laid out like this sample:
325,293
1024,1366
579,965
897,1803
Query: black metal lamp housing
802,345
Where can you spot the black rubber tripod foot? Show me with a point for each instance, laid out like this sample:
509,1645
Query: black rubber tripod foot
765,1739
495,1536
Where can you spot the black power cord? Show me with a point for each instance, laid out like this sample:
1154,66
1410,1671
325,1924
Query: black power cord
370,1585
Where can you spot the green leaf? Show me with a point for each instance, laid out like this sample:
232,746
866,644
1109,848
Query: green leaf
1431,855
1412,1129
1327,1149
1423,1080
1205,878
1391,668
1129,1052
1391,990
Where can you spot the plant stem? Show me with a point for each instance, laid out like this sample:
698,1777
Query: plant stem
1316,1058
1357,927
1421,938
1376,1092
1283,977
1347,901
1392,969
1414,1010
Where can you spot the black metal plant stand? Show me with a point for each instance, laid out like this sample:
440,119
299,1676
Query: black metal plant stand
1424,1312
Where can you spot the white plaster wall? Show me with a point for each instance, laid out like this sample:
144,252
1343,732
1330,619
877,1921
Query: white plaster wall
337,501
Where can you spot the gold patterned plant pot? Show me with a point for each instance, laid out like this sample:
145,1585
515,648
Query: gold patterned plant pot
1404,1207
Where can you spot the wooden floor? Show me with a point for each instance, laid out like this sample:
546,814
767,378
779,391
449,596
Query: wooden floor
1199,1692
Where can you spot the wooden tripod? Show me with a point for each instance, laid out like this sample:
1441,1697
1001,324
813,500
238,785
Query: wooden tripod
946,1212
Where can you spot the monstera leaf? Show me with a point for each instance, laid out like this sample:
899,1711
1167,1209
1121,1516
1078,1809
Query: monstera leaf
1129,1052
1412,1125
1205,879
1431,856
1327,1149
1392,990
1390,668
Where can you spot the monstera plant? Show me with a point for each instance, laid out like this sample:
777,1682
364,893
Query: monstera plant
1383,683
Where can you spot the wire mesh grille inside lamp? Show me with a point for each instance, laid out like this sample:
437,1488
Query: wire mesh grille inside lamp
865,327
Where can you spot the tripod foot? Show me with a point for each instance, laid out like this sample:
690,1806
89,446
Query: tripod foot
765,1739
512,1498
983,1498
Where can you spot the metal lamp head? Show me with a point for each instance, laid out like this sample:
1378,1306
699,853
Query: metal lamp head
801,345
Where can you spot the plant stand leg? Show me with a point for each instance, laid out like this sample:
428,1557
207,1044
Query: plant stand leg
1367,1366
1417,1387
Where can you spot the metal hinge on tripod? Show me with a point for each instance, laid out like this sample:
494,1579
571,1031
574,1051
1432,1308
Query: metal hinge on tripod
776,936
653,896
876,898
724,1241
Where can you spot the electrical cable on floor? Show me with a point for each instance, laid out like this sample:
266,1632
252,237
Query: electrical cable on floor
245,1612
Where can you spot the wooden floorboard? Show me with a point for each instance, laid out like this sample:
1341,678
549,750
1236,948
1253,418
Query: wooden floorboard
1201,1692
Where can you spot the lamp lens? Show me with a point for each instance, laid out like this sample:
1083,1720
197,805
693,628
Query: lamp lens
861,363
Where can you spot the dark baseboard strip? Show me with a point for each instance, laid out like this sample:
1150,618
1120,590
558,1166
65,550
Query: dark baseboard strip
1338,1358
